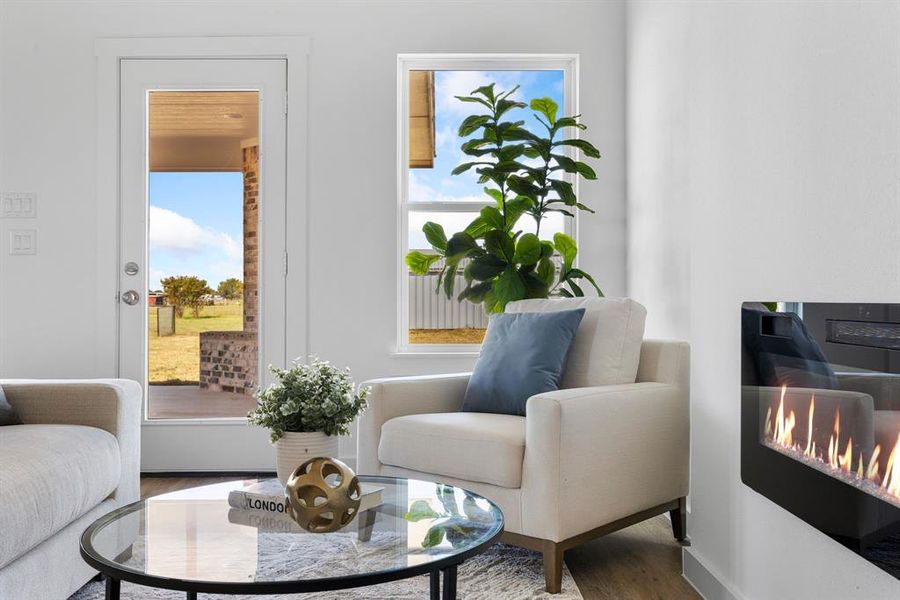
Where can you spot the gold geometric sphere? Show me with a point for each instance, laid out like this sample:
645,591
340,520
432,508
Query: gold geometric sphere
323,495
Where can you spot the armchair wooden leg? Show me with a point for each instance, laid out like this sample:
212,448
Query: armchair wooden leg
553,565
679,522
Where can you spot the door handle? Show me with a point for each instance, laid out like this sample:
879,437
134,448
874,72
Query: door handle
131,297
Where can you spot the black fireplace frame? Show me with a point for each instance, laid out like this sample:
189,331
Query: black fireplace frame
861,522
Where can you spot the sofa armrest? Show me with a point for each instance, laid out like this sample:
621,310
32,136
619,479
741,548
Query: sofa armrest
113,405
400,396
595,455
883,387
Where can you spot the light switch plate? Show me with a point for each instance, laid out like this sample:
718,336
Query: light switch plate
18,205
22,242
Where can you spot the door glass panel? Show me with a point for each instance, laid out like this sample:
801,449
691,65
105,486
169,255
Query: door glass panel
203,253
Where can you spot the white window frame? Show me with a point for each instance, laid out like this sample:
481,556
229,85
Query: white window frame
567,63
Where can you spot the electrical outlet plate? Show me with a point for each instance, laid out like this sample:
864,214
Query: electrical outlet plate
18,205
22,242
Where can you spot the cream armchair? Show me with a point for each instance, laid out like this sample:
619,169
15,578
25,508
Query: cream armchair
582,463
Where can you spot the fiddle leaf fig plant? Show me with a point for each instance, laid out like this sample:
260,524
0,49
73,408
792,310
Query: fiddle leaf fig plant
525,176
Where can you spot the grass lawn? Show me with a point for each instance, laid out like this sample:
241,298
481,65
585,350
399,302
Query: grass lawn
176,358
446,336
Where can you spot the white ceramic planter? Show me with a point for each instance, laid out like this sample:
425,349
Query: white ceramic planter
294,448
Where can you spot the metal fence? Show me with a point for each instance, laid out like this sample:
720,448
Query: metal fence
429,309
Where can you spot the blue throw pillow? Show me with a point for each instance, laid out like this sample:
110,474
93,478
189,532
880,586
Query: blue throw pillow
784,351
522,355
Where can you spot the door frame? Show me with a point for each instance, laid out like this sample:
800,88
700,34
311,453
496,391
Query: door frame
110,52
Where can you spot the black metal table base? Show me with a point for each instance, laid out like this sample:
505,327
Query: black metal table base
114,586
449,584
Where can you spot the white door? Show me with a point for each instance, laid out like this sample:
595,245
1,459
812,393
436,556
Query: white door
191,171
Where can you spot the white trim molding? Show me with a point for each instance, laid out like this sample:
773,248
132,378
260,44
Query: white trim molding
567,63
702,578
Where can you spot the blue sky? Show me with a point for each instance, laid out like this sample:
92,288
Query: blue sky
196,226
437,183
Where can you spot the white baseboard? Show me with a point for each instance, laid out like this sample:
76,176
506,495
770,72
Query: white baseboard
703,580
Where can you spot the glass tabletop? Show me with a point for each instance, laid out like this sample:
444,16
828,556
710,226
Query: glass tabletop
194,536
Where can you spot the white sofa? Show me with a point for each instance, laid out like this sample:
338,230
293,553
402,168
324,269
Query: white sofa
75,458
608,450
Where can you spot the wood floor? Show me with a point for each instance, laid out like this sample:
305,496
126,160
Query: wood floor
642,562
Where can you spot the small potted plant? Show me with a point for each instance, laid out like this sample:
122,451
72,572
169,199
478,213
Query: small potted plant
306,410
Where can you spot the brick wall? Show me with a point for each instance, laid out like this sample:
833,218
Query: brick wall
251,240
229,359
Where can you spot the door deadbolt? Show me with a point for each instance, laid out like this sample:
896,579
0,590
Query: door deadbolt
131,297
131,268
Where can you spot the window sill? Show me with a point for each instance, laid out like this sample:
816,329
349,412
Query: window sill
437,352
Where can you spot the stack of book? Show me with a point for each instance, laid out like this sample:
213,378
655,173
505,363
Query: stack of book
264,506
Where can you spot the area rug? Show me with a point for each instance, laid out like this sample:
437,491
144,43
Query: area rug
501,573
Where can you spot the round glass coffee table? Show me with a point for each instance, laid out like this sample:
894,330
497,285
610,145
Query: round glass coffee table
193,541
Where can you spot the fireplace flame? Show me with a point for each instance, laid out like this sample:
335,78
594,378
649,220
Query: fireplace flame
782,432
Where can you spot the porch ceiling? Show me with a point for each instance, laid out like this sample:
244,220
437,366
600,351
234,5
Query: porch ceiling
201,131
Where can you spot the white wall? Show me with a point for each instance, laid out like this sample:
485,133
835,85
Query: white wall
770,133
47,72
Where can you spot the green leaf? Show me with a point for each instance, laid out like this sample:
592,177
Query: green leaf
522,186
547,249
583,145
568,122
564,190
575,289
459,245
420,263
520,134
471,124
450,280
434,536
435,235
579,274
486,90
474,99
486,267
476,149
476,293
496,194
528,249
477,228
498,243
573,166
567,248
559,210
490,303
585,208
515,208
509,287
547,107
535,287
505,105
420,509
508,153
492,216
565,292
463,167
546,271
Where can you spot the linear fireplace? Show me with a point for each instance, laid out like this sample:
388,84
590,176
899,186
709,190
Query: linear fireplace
820,418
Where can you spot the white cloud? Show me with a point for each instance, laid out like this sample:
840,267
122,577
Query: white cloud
422,192
177,233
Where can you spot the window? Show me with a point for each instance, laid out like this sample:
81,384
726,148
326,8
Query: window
429,149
